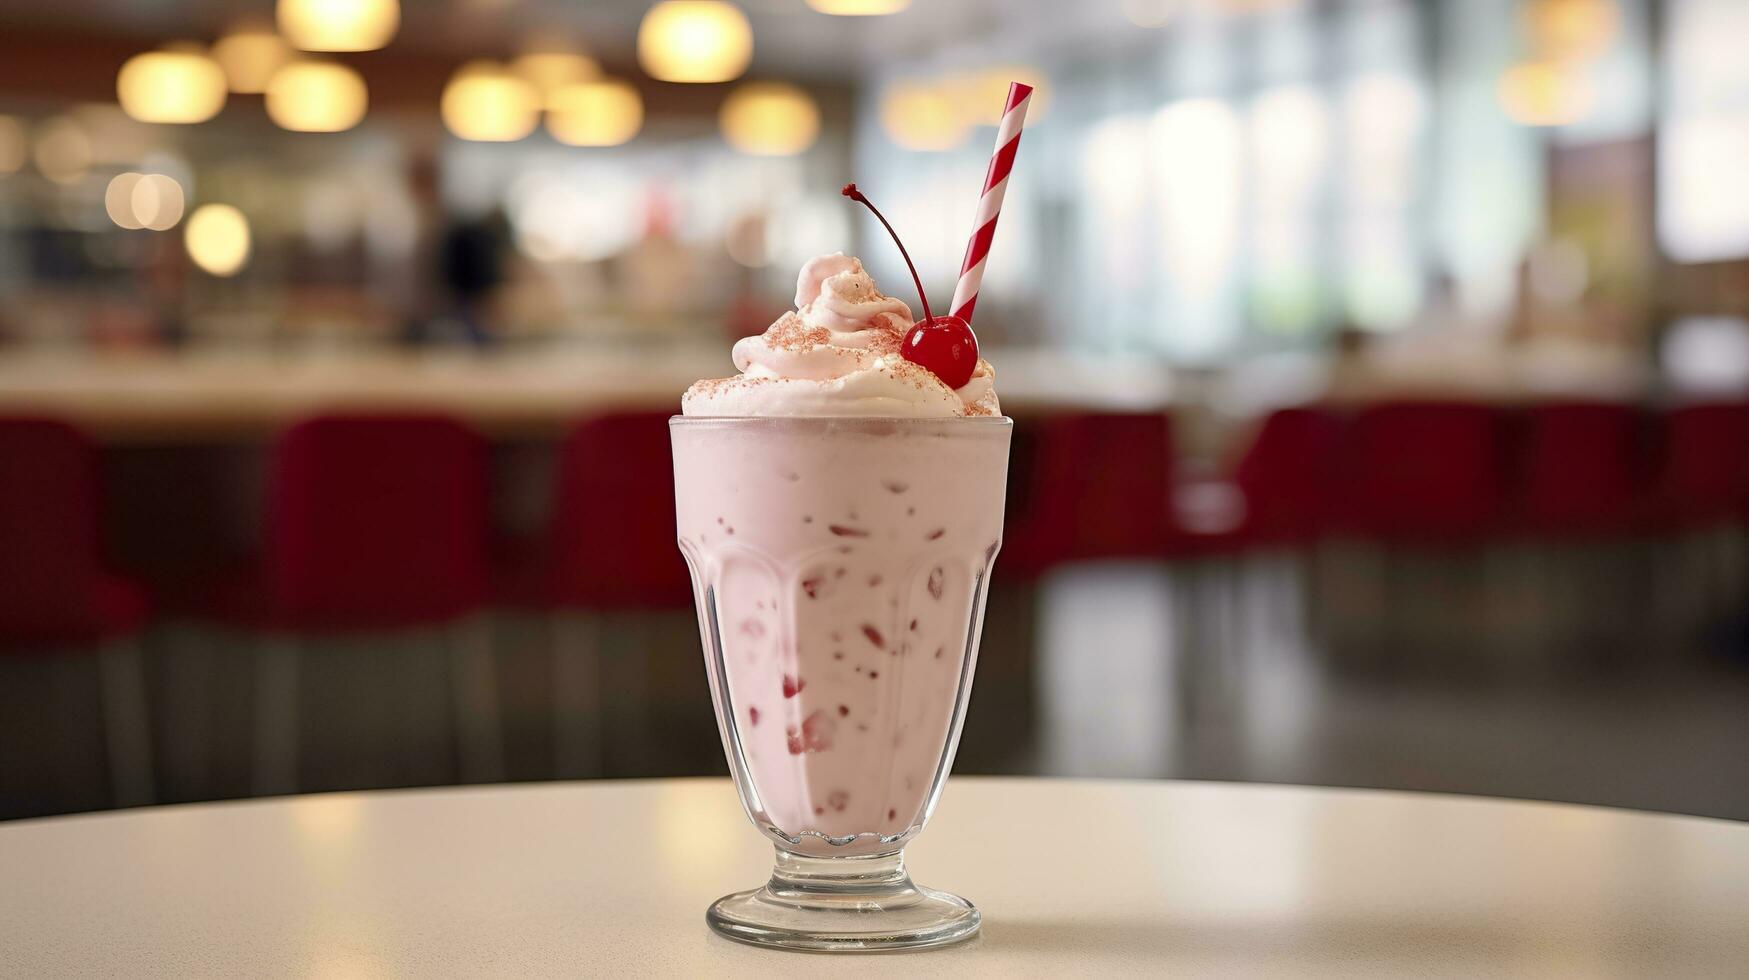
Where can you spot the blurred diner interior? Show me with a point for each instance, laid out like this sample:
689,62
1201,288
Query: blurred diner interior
1379,369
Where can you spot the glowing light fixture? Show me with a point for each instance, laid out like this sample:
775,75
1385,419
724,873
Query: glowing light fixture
859,8
1563,29
250,56
339,25
600,113
695,41
549,71
770,119
1538,93
309,96
922,117
174,85
484,101
12,145
217,239
62,150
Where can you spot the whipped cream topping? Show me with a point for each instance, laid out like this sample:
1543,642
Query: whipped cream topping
837,354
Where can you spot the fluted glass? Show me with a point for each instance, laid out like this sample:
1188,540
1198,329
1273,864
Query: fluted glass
840,567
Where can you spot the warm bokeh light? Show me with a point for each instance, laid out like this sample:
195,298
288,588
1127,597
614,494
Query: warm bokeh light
549,71
118,199
156,202
13,144
922,117
250,56
770,119
62,150
317,97
1538,93
217,238
486,102
339,25
980,96
695,41
600,113
1562,29
171,86
135,200
859,8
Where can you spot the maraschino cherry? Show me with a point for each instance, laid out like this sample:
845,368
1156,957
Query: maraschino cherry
943,344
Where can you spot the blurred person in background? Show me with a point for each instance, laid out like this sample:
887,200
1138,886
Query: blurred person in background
472,262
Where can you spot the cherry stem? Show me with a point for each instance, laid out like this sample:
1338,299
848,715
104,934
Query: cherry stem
851,192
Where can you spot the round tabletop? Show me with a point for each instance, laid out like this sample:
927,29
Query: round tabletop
1073,877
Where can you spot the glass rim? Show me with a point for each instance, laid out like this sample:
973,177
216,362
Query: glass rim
985,420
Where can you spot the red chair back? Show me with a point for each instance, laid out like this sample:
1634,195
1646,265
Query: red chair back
50,552
1285,474
1087,487
1703,472
1420,471
1122,471
1579,468
376,522
612,540
1038,524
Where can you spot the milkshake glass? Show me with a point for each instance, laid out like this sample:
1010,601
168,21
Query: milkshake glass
839,566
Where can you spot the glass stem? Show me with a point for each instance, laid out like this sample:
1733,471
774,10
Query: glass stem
796,875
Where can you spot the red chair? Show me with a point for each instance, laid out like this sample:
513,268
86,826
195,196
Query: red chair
1285,476
1408,478
1700,500
1039,523
1109,492
1274,499
56,593
1579,469
610,547
1420,473
373,524
1577,488
1122,472
1090,487
1702,476
610,544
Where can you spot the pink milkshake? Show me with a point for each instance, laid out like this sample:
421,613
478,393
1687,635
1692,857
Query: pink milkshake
839,565
840,507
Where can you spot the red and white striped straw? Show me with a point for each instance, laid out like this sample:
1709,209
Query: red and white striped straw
965,295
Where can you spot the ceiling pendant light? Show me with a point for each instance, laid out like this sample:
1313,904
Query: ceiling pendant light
695,41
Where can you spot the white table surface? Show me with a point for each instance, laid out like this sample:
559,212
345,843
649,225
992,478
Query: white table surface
1074,878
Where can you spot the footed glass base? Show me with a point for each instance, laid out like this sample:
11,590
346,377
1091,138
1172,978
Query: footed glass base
849,904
